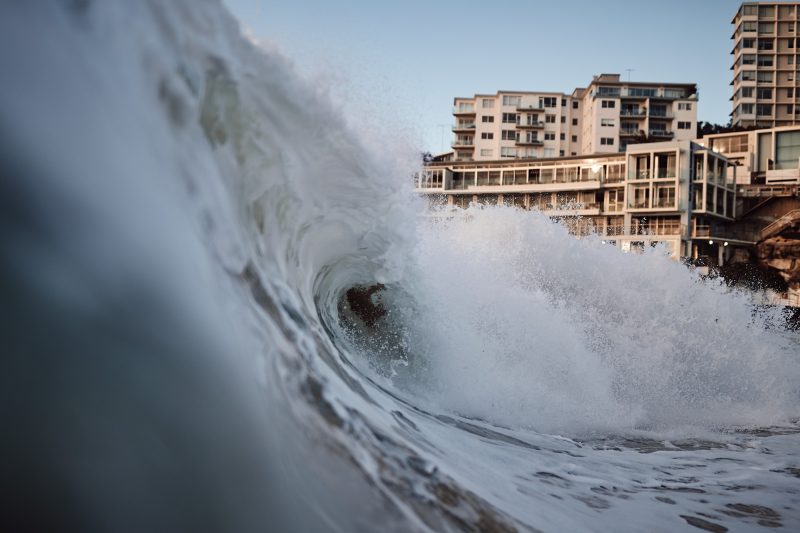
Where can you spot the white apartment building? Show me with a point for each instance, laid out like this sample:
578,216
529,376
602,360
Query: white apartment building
674,192
603,118
618,113
516,124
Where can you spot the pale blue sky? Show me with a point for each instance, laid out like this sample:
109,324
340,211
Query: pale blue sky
398,65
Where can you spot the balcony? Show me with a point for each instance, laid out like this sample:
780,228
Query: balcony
530,125
529,142
661,134
463,143
631,132
467,127
463,111
665,173
571,209
654,113
531,109
633,113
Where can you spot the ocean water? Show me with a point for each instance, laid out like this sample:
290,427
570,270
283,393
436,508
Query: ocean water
189,233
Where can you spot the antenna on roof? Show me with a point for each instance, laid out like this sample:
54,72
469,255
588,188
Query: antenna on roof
629,70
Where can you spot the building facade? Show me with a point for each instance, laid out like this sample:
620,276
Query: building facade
673,193
604,117
765,73
768,156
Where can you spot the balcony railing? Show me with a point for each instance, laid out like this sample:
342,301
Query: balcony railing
463,143
633,112
464,127
665,134
665,173
530,125
631,132
529,142
463,110
661,114
657,228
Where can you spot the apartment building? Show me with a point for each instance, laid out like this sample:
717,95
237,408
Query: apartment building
602,118
769,156
673,192
516,124
765,74
617,113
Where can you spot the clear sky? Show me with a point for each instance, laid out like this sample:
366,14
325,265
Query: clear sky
398,65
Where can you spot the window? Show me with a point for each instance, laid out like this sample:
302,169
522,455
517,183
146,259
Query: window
765,44
563,137
790,93
765,77
549,136
736,143
607,122
684,106
508,135
749,11
547,101
607,141
787,148
609,91
509,118
487,103
790,60
466,107
563,102
750,25
748,59
608,104
574,104
486,135
561,153
684,125
789,43
764,109
764,94
486,152
748,43
746,109
766,27
563,119
574,121
765,61
574,139
487,118
574,153
789,109
747,92
508,151
766,12
511,100
550,119
642,91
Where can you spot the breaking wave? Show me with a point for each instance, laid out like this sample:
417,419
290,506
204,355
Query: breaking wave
229,312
